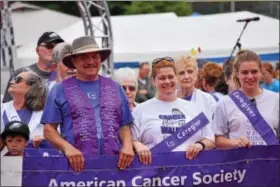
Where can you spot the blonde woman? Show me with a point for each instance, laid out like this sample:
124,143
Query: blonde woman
187,70
249,115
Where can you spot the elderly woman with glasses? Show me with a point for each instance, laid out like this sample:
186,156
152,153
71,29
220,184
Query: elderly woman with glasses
127,78
166,116
29,94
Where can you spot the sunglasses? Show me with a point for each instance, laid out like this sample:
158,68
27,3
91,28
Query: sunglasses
130,88
167,58
48,46
19,79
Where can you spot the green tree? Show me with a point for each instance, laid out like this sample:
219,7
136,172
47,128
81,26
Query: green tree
141,7
181,8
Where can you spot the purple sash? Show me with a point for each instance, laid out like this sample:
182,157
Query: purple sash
52,76
82,112
251,112
184,133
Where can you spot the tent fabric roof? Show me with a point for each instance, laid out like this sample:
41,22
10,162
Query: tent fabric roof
262,34
21,6
145,37
30,23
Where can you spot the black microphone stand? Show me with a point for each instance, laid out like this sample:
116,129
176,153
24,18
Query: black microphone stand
238,44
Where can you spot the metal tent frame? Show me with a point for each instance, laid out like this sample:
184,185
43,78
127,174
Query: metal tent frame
8,47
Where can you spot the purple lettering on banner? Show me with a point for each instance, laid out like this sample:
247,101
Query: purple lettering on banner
184,133
84,130
236,167
252,113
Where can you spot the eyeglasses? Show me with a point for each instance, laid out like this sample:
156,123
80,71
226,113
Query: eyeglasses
19,79
48,46
167,58
130,88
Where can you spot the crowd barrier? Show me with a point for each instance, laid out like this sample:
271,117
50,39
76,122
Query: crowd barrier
257,166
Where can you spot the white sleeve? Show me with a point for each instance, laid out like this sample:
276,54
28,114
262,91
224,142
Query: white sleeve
220,122
135,127
2,126
209,110
213,105
207,132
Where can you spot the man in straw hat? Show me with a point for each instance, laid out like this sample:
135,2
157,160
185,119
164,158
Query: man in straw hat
92,111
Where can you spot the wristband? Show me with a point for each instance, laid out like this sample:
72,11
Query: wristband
202,144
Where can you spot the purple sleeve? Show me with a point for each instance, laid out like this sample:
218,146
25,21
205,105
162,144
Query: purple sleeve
126,118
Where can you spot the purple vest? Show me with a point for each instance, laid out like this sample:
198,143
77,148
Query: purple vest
84,129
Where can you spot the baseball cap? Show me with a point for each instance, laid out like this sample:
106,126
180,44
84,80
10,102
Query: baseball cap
49,37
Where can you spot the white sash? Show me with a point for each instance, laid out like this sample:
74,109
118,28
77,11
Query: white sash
34,124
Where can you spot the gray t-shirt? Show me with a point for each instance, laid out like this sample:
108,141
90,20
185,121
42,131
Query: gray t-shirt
45,75
230,122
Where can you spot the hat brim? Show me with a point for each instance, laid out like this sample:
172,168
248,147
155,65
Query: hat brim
4,134
104,54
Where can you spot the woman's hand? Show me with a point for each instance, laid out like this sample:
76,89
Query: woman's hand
37,140
241,142
193,150
143,152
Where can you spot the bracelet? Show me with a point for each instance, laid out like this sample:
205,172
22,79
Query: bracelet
202,144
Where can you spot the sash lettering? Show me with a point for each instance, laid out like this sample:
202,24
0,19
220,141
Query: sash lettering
84,130
254,116
184,133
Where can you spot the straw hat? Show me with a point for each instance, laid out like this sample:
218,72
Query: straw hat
85,44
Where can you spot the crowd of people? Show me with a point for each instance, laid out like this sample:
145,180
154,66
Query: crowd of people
62,102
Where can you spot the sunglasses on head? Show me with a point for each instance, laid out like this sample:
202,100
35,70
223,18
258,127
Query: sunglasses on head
167,58
48,46
130,88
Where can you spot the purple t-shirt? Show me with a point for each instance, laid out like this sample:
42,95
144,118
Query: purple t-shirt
57,110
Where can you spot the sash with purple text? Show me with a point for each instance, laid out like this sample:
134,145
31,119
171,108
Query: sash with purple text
252,113
82,112
184,133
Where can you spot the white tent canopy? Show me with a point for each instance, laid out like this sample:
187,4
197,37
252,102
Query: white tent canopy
145,37
31,21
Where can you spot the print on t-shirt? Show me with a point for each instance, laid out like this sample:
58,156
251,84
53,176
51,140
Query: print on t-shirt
252,135
171,123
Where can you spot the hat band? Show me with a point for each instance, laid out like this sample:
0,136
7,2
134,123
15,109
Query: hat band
94,47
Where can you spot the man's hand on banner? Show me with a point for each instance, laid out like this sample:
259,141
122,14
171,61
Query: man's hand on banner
75,157
144,153
193,150
126,156
37,140
241,142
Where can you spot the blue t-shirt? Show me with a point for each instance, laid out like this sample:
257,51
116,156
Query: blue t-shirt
274,86
57,110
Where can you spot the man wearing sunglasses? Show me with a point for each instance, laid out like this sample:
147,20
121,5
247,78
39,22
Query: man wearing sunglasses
43,67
